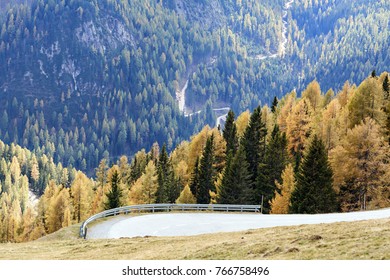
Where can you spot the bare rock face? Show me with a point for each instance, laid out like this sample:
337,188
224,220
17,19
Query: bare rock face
109,33
208,14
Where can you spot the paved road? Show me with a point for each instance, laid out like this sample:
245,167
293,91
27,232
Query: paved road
185,224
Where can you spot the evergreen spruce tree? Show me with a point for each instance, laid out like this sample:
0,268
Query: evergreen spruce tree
274,104
194,184
235,181
386,87
314,192
254,144
230,134
135,172
165,178
115,193
276,159
206,173
386,109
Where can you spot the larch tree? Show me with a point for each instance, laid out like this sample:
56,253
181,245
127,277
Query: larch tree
101,173
149,184
144,189
34,169
242,123
299,128
286,104
280,204
313,94
219,147
359,163
82,192
123,168
44,204
368,101
15,221
186,196
330,124
28,225
196,146
268,118
179,159
314,191
59,212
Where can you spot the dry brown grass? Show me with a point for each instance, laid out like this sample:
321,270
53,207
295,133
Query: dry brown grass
351,241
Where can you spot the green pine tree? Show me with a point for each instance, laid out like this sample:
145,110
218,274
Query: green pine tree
206,173
276,159
166,191
194,184
314,192
235,181
274,104
230,134
115,193
386,87
254,144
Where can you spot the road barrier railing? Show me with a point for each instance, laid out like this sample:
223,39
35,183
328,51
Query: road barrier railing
167,208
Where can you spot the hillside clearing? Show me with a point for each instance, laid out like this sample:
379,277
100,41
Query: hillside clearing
341,241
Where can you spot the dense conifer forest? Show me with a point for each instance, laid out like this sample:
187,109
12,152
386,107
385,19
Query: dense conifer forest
86,80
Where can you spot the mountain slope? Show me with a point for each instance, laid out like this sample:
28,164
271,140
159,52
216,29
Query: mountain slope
86,80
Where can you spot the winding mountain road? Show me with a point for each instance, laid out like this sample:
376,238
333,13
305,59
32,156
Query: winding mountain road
187,224
283,43
181,94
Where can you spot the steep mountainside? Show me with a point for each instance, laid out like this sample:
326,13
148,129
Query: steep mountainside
82,80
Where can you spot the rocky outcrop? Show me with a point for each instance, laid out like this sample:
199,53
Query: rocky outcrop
208,14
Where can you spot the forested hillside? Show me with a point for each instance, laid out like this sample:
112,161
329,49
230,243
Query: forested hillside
86,80
5,4
318,153
24,176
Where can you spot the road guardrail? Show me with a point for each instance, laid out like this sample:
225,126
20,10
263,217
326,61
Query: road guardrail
167,208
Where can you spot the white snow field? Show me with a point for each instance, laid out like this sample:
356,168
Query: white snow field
186,224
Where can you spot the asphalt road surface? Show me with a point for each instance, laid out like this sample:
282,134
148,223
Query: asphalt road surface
185,224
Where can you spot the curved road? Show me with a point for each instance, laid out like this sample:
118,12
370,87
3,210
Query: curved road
186,224
181,94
